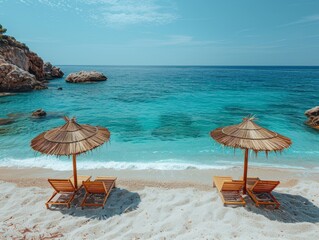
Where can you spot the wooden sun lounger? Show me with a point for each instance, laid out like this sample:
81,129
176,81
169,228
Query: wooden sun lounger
229,190
102,186
66,189
260,193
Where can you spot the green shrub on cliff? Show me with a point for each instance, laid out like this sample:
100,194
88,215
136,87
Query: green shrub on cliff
2,31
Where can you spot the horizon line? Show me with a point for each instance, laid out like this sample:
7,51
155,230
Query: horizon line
186,65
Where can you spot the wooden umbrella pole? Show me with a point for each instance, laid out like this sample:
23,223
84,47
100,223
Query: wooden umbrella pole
75,172
245,170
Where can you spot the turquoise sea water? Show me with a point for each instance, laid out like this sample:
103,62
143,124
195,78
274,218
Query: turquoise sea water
160,117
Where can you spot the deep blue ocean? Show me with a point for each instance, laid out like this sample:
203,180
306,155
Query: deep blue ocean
160,117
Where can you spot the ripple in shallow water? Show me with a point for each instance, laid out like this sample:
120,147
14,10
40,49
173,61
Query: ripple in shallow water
176,126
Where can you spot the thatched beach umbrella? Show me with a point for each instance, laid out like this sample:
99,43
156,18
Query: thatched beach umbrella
248,135
70,139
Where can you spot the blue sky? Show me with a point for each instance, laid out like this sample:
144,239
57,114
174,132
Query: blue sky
167,32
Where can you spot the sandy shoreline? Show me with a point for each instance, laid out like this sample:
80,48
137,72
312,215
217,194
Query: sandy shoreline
157,204
156,178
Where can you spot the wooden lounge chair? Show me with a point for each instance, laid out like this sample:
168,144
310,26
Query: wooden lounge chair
229,190
66,190
260,193
100,186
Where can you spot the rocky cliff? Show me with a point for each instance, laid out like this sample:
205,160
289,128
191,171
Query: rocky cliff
14,79
22,69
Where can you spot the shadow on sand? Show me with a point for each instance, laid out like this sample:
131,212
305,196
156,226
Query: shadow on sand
119,201
293,209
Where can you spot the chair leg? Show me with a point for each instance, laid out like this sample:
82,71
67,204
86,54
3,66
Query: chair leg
107,195
104,200
83,201
68,203
47,203
72,197
252,196
277,204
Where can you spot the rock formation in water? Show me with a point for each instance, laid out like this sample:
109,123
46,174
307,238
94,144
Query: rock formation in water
39,113
83,76
20,68
51,72
5,121
313,117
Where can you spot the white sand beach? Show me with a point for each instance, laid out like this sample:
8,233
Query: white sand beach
161,95
153,204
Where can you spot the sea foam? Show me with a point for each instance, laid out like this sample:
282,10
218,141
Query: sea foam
58,164
65,165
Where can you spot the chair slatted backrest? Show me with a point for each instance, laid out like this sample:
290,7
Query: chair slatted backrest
95,187
264,186
233,185
62,185
109,183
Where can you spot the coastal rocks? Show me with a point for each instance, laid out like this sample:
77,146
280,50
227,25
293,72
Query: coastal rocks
83,76
22,69
313,117
52,72
15,79
39,113
313,112
19,54
5,121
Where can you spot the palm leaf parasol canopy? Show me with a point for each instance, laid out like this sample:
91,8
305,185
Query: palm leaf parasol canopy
250,136
70,139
